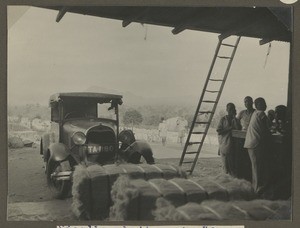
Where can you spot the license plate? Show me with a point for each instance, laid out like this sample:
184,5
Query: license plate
96,149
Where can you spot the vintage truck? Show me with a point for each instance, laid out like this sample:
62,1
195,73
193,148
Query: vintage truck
85,130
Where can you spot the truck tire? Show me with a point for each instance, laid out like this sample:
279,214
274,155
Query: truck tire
59,188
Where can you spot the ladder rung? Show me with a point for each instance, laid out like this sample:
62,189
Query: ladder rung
224,57
229,45
191,152
201,112
202,122
198,132
210,101
220,81
192,143
212,91
216,80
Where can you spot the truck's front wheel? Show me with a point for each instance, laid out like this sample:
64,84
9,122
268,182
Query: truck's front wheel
59,188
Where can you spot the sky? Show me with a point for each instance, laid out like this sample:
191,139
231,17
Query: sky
79,52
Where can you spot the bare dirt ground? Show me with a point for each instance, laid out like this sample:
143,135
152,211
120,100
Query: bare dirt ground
30,199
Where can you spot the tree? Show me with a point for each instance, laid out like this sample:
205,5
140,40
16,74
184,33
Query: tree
152,120
132,117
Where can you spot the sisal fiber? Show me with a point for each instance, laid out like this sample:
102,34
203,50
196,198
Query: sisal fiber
121,199
92,185
81,204
179,191
191,211
225,187
220,210
266,209
132,199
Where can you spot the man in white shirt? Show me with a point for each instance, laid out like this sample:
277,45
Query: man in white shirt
245,115
257,142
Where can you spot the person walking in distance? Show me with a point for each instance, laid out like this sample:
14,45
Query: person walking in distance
181,126
163,131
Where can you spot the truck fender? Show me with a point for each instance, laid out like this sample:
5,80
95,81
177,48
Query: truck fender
58,152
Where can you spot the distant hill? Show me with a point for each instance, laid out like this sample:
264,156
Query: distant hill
151,108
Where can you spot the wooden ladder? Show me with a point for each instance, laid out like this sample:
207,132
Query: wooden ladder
208,102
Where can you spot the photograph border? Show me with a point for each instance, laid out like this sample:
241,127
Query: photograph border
295,111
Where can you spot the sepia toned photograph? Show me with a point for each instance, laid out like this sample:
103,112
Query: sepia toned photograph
149,113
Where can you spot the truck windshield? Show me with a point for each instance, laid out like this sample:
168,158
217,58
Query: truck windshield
105,111
80,109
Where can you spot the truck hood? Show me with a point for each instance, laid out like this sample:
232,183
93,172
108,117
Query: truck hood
83,125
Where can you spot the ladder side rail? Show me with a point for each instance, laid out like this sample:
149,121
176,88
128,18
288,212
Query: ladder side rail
227,70
223,83
200,101
197,154
203,137
217,101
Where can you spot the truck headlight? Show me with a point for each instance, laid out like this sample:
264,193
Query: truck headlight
79,138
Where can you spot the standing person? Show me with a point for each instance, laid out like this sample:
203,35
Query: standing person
181,125
163,131
280,118
226,145
245,115
271,118
243,162
283,150
257,142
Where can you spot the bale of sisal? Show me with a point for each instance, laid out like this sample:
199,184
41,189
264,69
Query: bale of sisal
178,191
141,205
121,199
220,210
165,211
169,191
98,181
238,189
283,210
266,209
134,171
212,188
193,191
100,191
170,171
81,204
225,210
132,199
254,209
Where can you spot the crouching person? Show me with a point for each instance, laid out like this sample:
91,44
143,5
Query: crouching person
132,150
226,145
